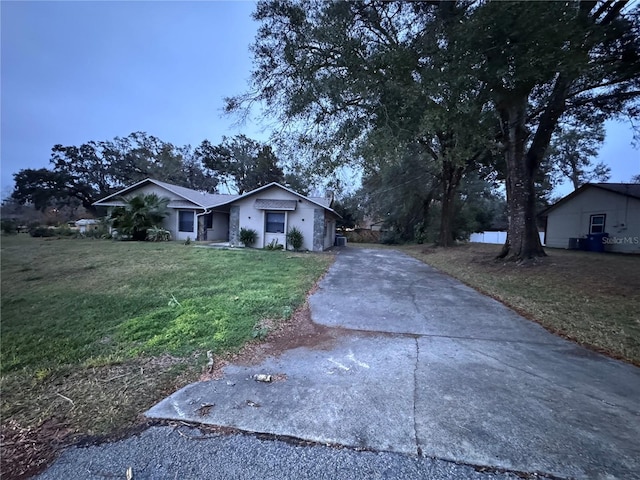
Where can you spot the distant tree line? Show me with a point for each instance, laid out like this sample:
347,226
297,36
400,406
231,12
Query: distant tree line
81,175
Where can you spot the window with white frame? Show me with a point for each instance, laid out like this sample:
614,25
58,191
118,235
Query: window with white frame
596,225
275,222
185,221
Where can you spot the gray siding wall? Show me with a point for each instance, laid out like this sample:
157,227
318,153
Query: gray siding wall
622,222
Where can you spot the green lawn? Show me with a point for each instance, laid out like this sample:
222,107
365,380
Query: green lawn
95,331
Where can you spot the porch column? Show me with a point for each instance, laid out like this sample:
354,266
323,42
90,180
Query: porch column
318,230
202,231
234,225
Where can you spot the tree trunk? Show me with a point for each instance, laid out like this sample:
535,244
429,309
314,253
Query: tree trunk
523,241
451,176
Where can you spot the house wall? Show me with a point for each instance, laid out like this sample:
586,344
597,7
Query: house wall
571,220
171,224
330,230
249,217
220,227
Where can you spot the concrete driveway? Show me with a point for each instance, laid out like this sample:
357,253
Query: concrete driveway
423,365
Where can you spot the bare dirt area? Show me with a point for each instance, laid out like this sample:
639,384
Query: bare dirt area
298,331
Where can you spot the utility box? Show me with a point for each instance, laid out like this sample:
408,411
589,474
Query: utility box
341,241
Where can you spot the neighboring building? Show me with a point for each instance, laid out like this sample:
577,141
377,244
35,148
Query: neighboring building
270,210
593,210
373,224
86,224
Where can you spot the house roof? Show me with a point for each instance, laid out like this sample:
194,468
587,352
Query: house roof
626,189
325,202
201,199
314,200
206,200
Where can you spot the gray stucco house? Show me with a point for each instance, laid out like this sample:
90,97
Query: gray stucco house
270,210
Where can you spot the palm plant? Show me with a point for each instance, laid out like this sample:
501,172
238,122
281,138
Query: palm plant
295,238
140,213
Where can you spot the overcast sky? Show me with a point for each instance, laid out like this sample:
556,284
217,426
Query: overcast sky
79,71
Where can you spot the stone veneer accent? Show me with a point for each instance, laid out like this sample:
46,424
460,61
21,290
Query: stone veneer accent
234,225
318,229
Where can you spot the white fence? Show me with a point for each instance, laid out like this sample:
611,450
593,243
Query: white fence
495,237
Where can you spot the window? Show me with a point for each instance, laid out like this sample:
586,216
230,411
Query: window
185,221
597,224
208,220
275,222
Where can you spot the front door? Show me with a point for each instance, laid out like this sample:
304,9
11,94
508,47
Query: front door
275,227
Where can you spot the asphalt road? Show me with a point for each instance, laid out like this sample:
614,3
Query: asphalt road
186,453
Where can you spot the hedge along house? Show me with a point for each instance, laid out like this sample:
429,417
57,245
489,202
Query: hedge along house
593,210
270,210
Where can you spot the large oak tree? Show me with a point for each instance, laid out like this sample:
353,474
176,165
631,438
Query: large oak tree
343,73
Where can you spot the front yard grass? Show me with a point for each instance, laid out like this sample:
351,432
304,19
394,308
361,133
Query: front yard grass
94,332
591,298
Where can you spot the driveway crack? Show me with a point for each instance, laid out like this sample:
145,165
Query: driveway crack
415,398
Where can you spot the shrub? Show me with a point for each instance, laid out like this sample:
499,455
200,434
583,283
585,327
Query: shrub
248,236
187,241
64,231
9,226
42,232
295,238
101,231
273,245
156,234
419,233
391,238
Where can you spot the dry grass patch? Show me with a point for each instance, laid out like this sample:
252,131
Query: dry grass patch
591,298
48,410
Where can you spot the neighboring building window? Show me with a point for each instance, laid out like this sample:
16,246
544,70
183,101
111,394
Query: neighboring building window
275,222
208,220
597,224
185,221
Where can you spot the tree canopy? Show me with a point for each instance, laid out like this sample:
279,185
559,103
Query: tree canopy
471,88
83,174
571,153
242,164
